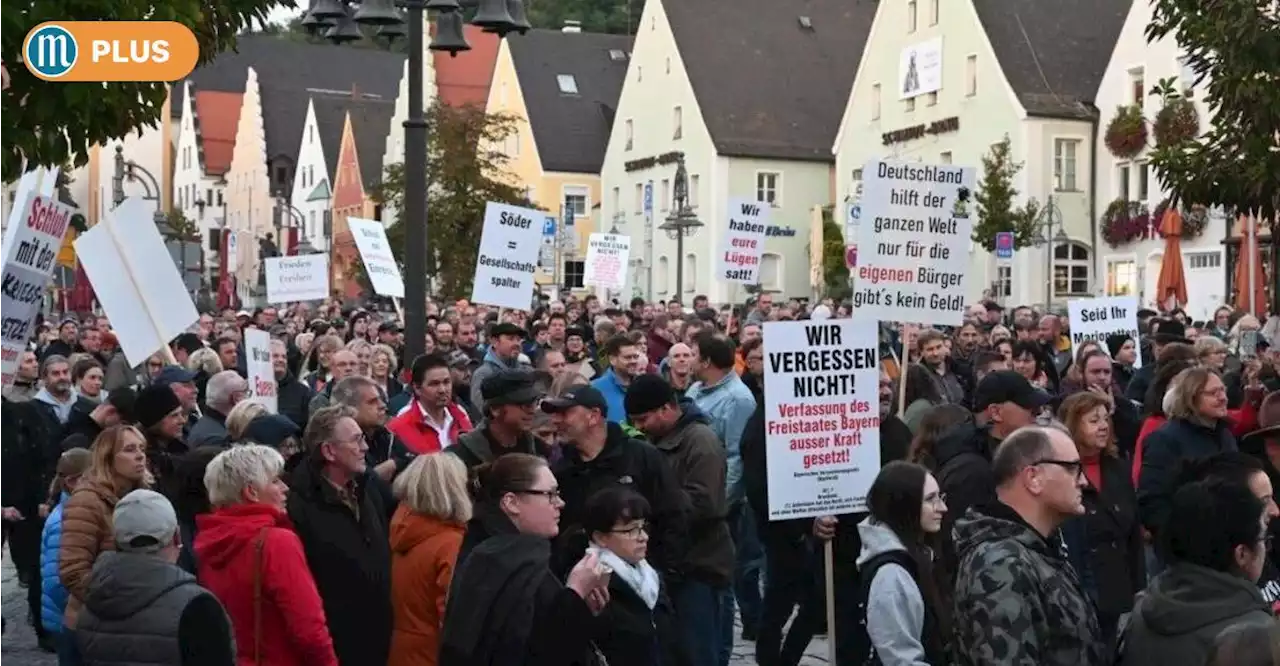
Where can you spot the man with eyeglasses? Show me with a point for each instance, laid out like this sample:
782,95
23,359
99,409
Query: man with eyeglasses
510,404
1017,598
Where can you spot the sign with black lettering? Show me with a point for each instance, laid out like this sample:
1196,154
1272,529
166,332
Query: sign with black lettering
508,256
30,256
1096,319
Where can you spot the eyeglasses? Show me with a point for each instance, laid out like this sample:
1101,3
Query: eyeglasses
633,531
552,495
1073,467
936,499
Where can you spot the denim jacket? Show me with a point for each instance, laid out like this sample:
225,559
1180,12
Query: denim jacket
728,404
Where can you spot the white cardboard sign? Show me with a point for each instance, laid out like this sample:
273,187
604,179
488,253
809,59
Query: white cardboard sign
508,256
742,243
1095,319
607,256
304,277
262,376
822,415
913,243
379,262
29,259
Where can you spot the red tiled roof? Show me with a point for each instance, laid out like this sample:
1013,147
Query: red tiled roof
219,115
465,79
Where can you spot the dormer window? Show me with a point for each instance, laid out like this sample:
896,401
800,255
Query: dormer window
568,84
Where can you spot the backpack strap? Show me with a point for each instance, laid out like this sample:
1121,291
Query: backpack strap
258,545
867,572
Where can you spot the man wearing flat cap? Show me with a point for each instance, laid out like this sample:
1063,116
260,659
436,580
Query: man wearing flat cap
505,341
510,402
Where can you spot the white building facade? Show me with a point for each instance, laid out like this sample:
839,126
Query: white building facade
1132,268
248,195
312,193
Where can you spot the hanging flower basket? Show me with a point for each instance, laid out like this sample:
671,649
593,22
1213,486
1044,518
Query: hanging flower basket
1176,122
1124,222
1194,220
1127,132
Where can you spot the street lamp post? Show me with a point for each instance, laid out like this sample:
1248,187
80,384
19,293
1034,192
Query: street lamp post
1050,217
296,218
681,222
500,17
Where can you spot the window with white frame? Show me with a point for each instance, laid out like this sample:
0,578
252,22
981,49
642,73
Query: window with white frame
631,134
911,16
1204,260
911,105
931,99
1186,77
771,271
1065,152
639,197
1071,262
1137,86
664,276
575,272
665,203
1122,182
933,12
1004,281
617,200
875,101
568,84
311,225
690,273
768,185
1122,277
677,123
693,191
1144,181
971,75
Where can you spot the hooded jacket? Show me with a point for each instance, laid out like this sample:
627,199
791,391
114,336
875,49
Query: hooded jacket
491,365
293,629
698,464
963,456
478,447
141,609
1183,610
53,596
423,552
899,623
1017,599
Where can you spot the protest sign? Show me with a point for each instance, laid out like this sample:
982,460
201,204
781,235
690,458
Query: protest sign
742,242
508,256
136,280
1096,319
913,243
29,260
822,415
261,374
607,260
375,251
304,277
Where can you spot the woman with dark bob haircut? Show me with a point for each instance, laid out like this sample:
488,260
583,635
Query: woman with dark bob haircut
907,619
1215,544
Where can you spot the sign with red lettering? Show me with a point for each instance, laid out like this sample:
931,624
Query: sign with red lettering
742,243
607,256
29,260
258,367
822,415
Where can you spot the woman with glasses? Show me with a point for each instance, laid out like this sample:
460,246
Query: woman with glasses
1215,546
908,620
505,605
637,627
1104,545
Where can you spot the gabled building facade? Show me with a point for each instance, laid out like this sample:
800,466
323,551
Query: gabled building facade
202,156
753,116
942,82
249,197
562,86
312,193
357,172
1132,267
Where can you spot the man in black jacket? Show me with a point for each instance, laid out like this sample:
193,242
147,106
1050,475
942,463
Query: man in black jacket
84,426
599,455
293,398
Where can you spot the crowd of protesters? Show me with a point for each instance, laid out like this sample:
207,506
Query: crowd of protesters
586,485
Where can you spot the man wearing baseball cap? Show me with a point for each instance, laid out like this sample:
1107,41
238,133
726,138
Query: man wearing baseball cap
598,454
505,341
1002,402
138,591
510,402
183,383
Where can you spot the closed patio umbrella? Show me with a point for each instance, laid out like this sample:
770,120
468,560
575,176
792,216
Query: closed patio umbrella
1250,260
1171,287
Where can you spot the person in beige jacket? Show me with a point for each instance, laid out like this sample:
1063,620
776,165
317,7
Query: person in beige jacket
119,466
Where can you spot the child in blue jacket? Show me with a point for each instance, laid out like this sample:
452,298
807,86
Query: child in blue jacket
53,596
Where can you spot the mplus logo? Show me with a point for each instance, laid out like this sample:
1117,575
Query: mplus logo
110,51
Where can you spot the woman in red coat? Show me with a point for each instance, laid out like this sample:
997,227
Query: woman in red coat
248,555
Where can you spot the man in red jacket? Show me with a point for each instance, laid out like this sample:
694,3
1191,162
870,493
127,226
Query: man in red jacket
431,421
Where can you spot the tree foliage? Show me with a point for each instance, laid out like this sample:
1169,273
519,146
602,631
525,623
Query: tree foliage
465,169
53,123
835,274
995,202
1233,47
612,16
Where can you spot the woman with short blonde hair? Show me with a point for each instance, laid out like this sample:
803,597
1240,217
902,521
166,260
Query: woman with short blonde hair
1211,352
239,417
205,360
426,534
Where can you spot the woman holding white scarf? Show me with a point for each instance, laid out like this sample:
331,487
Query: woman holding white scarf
637,627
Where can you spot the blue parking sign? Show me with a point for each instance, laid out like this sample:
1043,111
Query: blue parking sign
648,197
549,226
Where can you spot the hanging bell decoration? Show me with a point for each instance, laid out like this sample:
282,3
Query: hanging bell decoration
493,17
343,31
393,31
449,35
442,6
312,24
519,19
328,11
377,12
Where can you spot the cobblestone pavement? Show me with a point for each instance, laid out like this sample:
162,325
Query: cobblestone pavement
18,647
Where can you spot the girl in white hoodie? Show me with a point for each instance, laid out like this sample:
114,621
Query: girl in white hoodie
907,621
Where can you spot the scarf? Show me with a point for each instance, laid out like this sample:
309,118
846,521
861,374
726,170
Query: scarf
641,578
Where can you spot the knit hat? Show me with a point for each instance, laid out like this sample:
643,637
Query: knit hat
1115,341
153,404
647,393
